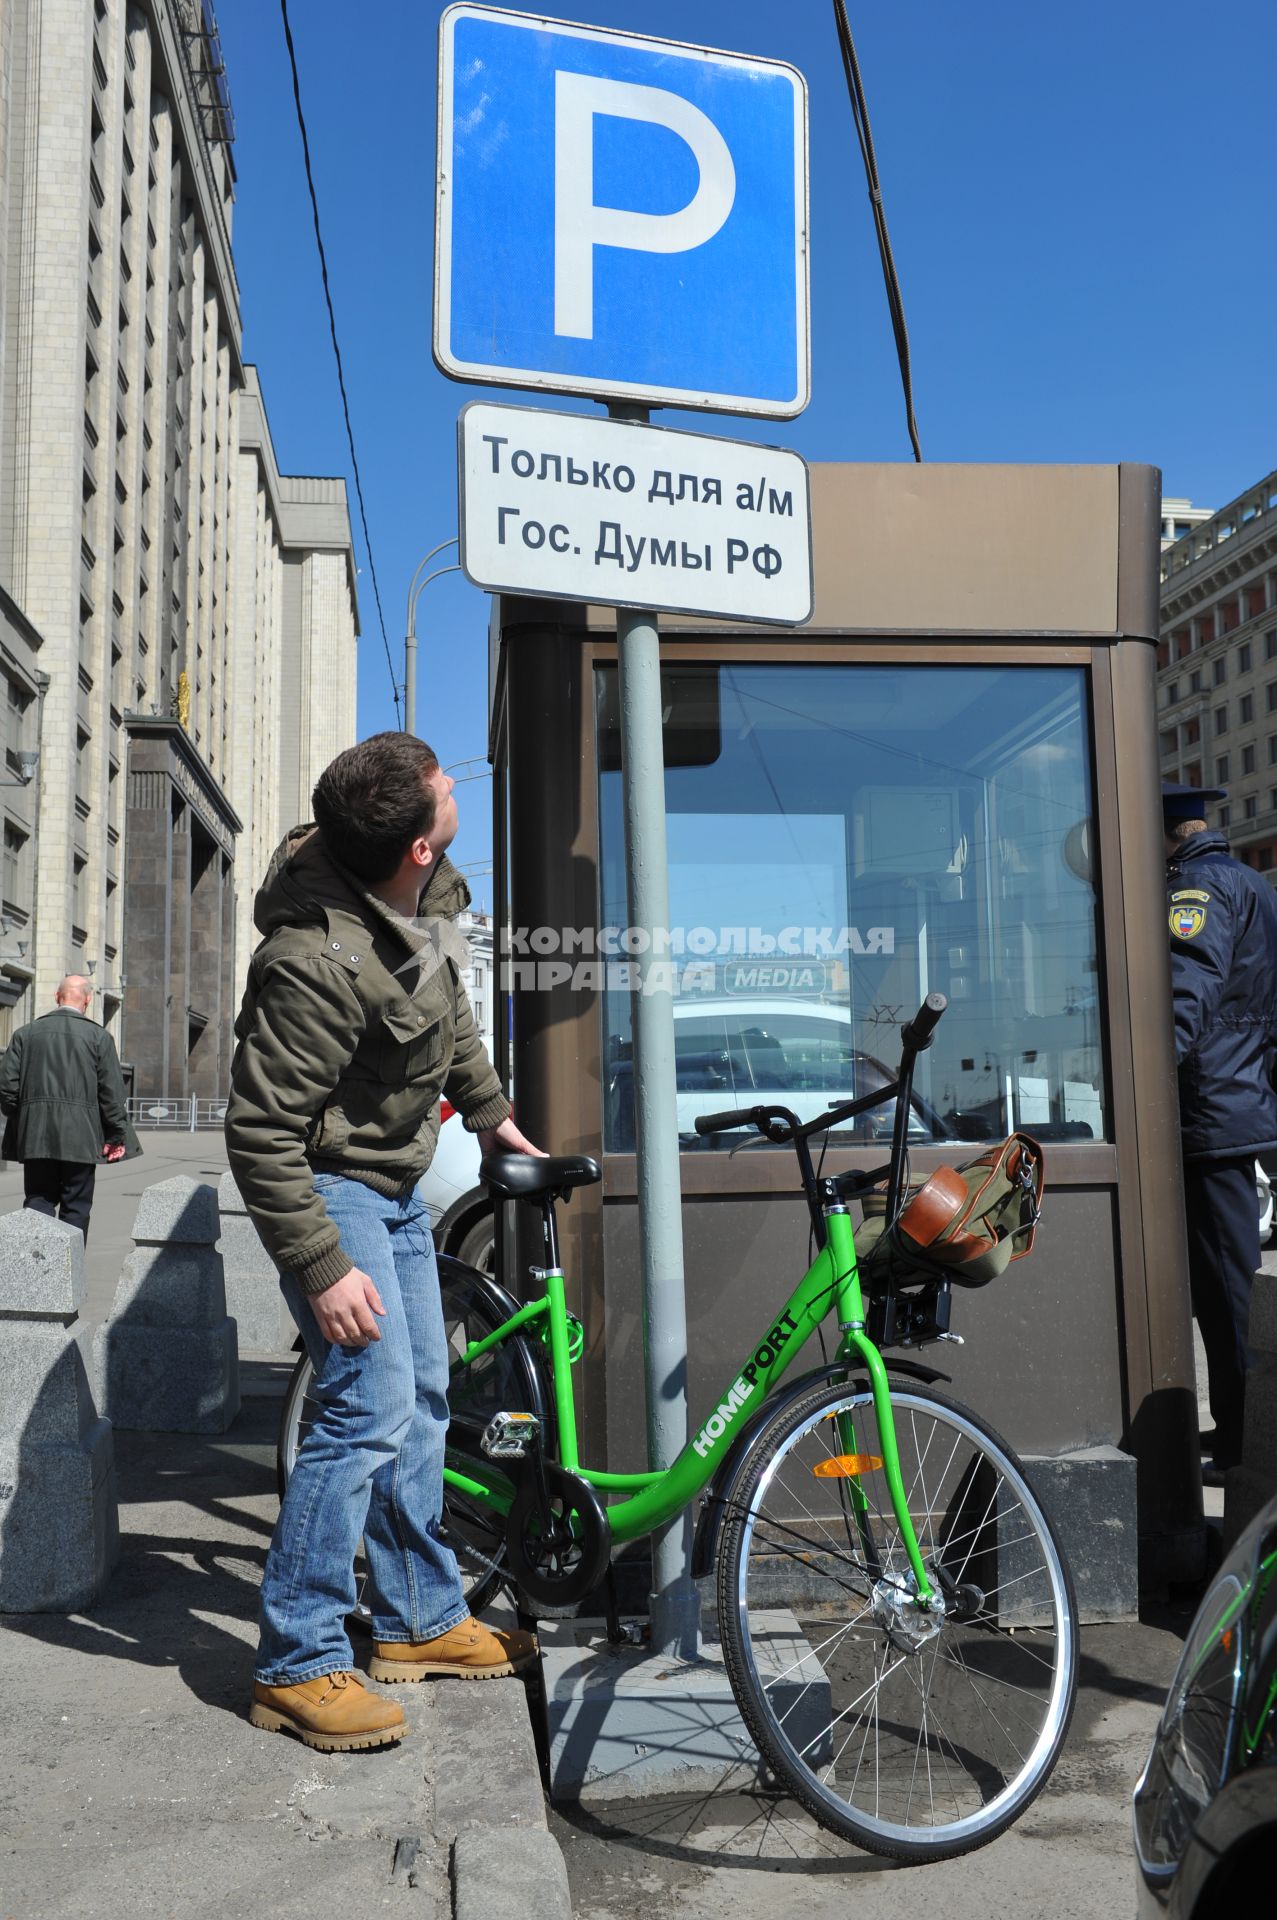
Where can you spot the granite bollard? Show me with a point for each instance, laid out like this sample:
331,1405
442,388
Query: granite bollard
253,1298
59,1513
167,1358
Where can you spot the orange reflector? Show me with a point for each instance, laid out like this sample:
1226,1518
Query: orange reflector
845,1466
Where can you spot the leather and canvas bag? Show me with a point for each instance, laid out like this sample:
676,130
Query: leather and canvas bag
966,1224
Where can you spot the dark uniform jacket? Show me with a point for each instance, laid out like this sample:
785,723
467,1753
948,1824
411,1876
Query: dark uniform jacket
1223,926
354,1022
62,1092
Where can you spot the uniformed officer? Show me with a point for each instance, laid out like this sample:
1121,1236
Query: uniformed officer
1223,928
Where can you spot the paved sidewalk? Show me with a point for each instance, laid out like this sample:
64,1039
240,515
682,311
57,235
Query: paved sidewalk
201,1156
134,1788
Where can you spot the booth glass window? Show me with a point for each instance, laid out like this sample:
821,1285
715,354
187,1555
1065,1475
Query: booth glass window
844,840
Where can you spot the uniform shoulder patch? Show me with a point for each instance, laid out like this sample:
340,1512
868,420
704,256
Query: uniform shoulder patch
1187,921
1190,893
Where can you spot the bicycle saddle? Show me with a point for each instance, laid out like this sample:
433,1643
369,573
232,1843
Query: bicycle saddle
517,1176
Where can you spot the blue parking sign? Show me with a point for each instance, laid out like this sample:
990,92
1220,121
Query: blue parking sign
620,216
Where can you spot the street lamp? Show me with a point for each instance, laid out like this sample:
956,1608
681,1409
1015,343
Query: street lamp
410,637
476,760
28,762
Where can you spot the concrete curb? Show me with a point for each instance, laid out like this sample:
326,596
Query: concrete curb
489,1806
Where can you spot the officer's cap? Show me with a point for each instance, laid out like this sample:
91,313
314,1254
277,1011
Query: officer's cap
1188,803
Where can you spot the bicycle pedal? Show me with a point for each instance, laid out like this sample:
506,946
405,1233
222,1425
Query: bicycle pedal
510,1436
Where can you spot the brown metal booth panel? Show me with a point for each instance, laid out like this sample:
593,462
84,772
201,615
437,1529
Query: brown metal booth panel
1092,1343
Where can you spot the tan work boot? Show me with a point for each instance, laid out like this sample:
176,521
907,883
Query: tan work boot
467,1651
335,1713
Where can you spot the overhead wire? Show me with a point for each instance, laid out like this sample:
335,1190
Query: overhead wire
864,133
341,377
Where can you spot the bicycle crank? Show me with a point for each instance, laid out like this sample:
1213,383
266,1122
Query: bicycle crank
558,1541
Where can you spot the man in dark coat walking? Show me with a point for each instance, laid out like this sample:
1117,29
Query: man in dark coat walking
62,1095
1223,928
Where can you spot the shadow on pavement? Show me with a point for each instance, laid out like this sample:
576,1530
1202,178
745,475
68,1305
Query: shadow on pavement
196,1514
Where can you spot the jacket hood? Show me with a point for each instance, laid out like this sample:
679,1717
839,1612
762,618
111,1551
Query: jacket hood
304,885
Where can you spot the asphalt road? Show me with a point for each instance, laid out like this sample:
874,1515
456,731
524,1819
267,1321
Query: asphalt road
753,1858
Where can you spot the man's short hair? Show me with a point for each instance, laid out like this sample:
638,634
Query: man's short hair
1184,829
372,802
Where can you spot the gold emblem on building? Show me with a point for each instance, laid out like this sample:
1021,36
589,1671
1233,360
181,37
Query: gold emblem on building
184,699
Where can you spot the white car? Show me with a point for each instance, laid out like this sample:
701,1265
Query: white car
1264,1196
460,1209
740,1052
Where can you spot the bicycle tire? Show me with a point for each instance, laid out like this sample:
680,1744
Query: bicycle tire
513,1378
863,1727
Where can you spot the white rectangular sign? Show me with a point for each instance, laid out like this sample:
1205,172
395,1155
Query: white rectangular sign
579,508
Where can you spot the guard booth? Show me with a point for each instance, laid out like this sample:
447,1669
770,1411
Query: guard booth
948,780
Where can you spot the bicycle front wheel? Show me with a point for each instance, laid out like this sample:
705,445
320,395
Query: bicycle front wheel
919,1733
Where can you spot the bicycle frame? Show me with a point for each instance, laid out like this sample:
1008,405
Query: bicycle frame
831,1284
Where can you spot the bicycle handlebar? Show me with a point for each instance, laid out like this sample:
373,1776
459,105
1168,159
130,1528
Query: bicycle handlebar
916,1036
776,1123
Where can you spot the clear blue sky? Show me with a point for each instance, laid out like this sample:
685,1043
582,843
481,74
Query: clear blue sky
1080,206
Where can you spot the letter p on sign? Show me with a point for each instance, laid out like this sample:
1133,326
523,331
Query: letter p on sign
580,225
619,216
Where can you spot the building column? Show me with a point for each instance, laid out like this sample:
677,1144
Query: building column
179,973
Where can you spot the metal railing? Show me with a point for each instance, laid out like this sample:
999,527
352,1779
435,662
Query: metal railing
177,1116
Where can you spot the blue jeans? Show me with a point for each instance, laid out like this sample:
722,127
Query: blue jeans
371,1464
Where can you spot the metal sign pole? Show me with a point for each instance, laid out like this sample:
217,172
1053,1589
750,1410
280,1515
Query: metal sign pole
675,1603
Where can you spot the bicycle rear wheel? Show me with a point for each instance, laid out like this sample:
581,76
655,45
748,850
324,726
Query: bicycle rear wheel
510,1378
915,1734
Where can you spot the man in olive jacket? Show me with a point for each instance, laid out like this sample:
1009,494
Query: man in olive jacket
354,1022
62,1095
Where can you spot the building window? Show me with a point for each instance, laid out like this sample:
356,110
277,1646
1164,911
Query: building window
1264,859
952,859
1272,696
1250,807
1221,769
1225,816
79,900
1270,645
1192,732
1272,749
1195,680
18,703
1243,657
1248,759
14,890
1220,671
1172,692
1193,774
1221,720
1170,739
1246,709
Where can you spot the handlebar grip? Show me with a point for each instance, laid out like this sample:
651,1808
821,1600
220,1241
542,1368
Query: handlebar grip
918,1032
722,1122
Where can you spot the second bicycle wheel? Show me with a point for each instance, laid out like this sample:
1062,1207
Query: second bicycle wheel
915,1734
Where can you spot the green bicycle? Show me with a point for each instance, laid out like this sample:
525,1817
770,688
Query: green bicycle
897,1618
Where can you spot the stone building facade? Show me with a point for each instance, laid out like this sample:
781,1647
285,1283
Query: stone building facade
148,545
1217,667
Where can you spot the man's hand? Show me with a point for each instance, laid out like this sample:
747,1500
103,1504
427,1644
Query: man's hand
508,1137
345,1310
116,1152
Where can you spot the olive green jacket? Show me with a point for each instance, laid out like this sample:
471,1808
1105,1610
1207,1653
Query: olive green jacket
62,1092
354,1021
